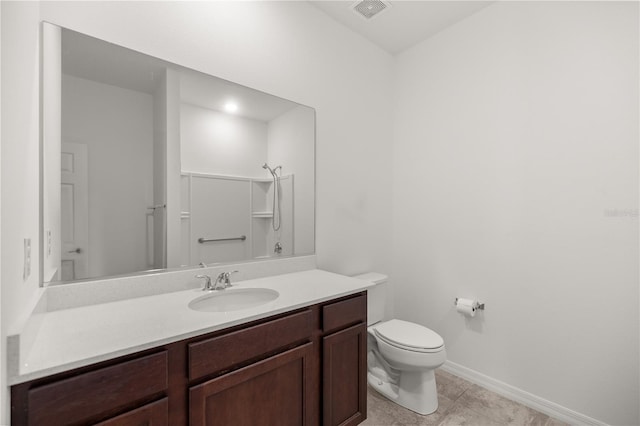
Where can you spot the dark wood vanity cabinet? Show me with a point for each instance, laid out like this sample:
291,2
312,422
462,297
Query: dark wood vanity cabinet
305,367
273,386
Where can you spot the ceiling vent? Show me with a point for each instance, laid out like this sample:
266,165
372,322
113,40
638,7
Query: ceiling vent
370,8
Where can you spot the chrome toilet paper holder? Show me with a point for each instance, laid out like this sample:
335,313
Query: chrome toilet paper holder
477,305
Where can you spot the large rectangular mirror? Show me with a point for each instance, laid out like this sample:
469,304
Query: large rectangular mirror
149,165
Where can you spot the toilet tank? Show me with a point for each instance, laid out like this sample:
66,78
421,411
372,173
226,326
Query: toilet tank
376,296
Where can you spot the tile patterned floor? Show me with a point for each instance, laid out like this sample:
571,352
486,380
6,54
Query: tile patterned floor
460,403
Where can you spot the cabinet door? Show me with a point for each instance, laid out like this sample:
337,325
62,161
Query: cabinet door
344,383
154,414
275,391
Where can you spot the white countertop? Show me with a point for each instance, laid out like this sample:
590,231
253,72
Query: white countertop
71,338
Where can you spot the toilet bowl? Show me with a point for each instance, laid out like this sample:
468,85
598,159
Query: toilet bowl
401,356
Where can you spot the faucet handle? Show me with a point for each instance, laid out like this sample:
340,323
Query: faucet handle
207,282
227,278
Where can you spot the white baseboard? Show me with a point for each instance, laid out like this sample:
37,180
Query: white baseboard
518,395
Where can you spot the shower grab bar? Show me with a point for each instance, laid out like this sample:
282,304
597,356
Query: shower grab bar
157,206
213,240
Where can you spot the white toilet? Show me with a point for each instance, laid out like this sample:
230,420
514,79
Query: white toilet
401,356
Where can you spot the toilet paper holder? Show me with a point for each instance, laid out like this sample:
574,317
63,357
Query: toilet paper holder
477,305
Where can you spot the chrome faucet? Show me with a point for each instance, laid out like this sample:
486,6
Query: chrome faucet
208,286
224,279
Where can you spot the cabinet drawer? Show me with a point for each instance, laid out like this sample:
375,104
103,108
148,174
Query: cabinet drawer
344,313
222,352
90,395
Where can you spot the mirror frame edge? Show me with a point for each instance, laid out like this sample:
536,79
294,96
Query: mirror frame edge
50,38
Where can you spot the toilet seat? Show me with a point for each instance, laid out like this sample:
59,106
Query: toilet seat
409,336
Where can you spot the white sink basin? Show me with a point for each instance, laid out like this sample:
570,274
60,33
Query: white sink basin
233,300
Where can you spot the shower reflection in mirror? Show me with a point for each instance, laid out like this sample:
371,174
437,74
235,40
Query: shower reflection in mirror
277,214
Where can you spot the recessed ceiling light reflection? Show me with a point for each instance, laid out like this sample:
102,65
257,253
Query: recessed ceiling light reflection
231,107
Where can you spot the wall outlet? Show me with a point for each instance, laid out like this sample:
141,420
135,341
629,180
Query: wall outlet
27,258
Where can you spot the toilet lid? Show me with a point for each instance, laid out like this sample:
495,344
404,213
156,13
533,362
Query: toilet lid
409,335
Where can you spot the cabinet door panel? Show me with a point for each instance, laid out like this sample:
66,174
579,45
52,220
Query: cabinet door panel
344,377
154,414
274,391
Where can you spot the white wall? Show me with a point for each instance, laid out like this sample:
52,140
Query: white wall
516,182
218,143
289,49
161,244
116,125
291,144
20,133
171,118
19,167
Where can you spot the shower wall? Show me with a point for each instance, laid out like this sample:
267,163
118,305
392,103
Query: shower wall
220,208
223,207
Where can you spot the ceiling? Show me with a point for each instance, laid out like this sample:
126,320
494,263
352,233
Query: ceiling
213,93
93,59
405,23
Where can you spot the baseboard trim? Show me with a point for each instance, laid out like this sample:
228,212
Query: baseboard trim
525,398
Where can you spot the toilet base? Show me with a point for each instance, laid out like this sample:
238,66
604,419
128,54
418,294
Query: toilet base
389,390
416,391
